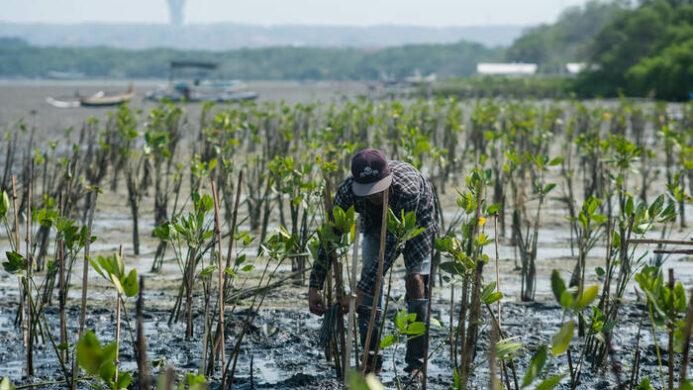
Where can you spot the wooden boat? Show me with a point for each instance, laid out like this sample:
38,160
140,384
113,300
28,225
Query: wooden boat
101,99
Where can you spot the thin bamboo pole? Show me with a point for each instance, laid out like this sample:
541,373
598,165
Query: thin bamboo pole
424,376
217,226
141,346
85,279
654,241
378,283
351,321
29,271
117,332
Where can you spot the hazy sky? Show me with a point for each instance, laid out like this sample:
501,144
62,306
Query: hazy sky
345,12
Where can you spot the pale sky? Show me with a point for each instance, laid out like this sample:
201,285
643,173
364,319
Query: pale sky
272,12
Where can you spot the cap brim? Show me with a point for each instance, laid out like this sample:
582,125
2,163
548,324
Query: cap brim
361,189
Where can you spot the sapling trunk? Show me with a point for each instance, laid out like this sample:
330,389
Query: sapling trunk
378,283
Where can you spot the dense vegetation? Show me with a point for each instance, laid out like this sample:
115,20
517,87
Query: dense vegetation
552,45
17,58
646,51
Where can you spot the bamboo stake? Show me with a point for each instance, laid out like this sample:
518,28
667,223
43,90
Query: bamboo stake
378,282
22,316
351,321
424,371
29,269
61,288
233,225
117,332
217,229
670,346
85,279
141,346
674,251
654,241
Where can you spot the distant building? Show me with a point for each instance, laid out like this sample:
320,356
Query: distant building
575,67
506,69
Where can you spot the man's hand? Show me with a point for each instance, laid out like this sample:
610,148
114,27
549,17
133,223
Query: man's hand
344,304
315,302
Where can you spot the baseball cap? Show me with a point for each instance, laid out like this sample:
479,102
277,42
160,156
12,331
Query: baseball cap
371,172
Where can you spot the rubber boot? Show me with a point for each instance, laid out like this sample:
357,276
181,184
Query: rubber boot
416,345
364,315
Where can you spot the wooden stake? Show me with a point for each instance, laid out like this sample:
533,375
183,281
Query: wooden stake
217,226
424,371
378,283
61,287
29,271
85,279
117,333
351,334
141,346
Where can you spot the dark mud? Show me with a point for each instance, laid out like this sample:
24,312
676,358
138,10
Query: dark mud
281,345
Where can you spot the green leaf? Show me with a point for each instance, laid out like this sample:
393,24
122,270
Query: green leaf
416,328
536,366
493,209
505,348
494,297
452,267
550,383
561,340
600,271
130,286
124,379
566,299
644,385
16,264
89,353
5,384
556,161
389,340
548,188
557,285
588,296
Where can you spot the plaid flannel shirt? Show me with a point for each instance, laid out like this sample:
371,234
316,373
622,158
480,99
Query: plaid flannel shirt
409,191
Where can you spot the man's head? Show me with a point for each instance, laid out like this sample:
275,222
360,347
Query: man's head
371,173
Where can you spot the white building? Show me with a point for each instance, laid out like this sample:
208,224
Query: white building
506,68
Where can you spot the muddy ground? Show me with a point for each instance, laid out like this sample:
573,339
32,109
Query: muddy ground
281,343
